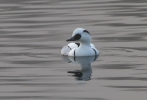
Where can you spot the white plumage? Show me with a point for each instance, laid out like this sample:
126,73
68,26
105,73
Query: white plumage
83,45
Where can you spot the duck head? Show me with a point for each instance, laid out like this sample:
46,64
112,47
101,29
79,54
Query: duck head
80,35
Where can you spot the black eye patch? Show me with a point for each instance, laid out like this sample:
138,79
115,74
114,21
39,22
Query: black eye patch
86,31
77,37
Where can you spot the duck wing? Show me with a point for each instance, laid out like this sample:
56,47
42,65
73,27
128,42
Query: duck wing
66,49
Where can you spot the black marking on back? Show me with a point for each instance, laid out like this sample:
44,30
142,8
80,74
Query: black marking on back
95,54
74,52
74,55
69,47
78,44
86,31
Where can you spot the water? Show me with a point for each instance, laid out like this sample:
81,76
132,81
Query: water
32,32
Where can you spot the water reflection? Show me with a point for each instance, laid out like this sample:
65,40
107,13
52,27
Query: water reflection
85,62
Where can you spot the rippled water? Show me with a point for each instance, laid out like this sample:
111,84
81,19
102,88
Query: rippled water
32,32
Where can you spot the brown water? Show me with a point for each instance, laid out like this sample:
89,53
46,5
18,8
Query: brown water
32,32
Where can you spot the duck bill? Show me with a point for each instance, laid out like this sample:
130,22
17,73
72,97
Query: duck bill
71,39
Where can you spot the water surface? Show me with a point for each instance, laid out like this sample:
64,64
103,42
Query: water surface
32,32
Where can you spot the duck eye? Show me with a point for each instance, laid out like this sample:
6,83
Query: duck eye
77,36
86,31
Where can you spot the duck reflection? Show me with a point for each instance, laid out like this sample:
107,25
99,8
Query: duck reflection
85,62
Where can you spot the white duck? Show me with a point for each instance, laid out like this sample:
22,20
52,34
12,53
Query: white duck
83,47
